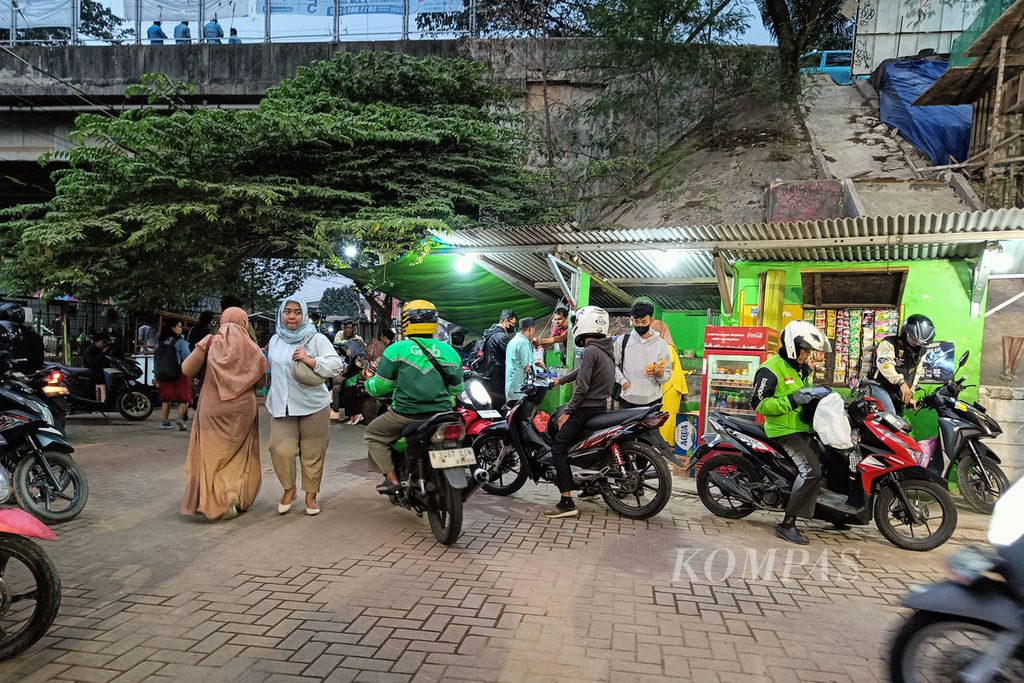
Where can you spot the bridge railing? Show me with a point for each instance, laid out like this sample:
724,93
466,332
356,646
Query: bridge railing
242,21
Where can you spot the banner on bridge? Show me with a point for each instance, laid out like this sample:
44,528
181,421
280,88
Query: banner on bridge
37,14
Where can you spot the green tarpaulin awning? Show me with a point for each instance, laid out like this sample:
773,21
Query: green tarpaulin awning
472,300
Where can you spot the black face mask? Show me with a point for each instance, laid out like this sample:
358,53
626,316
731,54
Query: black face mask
641,329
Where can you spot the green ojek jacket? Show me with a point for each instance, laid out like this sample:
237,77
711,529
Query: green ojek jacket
416,386
775,381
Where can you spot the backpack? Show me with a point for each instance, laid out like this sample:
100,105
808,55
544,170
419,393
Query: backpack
166,365
475,357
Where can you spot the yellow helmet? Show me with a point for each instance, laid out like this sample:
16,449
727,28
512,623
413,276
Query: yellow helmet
419,317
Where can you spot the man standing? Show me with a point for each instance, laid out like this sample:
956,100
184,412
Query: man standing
182,34
519,358
643,360
95,358
233,38
212,32
496,340
156,34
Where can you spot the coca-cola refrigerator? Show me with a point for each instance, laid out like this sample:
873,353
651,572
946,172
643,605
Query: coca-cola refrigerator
731,358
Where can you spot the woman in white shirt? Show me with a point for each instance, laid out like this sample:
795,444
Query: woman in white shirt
302,419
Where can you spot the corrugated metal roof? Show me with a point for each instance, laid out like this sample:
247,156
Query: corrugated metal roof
686,251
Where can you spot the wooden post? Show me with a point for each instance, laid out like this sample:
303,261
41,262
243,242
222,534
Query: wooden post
995,126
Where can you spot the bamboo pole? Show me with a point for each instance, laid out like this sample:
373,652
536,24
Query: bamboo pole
996,114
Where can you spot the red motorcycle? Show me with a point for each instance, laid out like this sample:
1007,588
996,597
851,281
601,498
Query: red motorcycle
29,584
474,407
742,470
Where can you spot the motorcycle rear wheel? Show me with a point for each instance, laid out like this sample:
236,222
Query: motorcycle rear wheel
46,593
512,476
35,493
973,489
720,503
134,405
887,507
640,460
911,659
446,517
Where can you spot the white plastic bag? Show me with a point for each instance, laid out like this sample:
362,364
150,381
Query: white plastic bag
1006,525
831,423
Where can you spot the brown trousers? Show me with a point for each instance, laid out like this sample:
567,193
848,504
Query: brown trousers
305,438
384,430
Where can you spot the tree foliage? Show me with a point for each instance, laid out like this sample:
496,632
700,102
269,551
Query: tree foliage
161,209
340,301
799,26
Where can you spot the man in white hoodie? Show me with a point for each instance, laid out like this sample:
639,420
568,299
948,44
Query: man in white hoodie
643,362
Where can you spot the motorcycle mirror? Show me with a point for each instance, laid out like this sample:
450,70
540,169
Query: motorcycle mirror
963,359
854,383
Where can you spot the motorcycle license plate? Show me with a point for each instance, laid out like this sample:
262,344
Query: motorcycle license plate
489,414
452,457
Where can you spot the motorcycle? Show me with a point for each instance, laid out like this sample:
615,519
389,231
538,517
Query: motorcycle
35,456
742,470
474,408
124,393
971,626
610,458
961,428
30,588
432,467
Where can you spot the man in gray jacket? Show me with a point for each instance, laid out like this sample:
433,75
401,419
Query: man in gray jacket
594,379
643,362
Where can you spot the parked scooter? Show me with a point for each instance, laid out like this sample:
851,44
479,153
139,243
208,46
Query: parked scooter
962,426
743,470
610,458
436,474
29,584
970,627
474,407
124,392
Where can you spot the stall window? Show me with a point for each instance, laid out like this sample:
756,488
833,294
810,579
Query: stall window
855,310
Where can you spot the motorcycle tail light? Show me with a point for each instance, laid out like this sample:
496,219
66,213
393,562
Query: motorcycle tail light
55,377
655,420
449,433
49,390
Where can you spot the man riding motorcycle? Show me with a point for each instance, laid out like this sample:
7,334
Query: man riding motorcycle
422,374
897,363
782,388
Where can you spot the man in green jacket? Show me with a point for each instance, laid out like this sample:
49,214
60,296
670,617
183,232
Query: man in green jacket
782,387
418,390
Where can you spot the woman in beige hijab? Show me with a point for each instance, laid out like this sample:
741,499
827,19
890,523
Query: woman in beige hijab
222,471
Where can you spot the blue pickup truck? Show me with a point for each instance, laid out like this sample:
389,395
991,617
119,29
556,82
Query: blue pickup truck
835,63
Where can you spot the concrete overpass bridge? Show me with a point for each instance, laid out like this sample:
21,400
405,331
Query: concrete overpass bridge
43,88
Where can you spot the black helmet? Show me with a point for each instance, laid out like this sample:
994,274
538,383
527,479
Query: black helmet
13,313
918,330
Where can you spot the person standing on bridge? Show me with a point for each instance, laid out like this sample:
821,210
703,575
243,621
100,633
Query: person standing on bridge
156,34
212,32
233,39
182,33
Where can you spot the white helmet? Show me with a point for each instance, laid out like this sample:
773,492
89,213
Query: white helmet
591,321
803,335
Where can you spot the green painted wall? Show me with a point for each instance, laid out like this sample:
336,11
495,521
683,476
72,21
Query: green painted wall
687,328
939,289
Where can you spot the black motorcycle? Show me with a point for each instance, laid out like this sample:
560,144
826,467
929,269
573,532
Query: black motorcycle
35,456
962,426
435,474
124,392
610,458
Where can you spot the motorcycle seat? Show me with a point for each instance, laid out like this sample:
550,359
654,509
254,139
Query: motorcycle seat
432,421
751,428
615,417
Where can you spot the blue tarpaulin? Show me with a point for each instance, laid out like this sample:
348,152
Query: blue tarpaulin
939,131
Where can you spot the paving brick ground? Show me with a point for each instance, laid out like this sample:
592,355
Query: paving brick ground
363,593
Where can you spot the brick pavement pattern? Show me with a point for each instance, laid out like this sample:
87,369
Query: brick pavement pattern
363,593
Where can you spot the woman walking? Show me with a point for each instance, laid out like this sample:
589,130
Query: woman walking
222,472
175,387
301,360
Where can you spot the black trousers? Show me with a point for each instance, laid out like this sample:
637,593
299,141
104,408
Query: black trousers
804,452
564,440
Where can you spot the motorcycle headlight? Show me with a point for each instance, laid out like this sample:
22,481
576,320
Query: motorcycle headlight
478,392
42,409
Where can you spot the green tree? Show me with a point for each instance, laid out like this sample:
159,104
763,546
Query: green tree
798,26
373,149
340,301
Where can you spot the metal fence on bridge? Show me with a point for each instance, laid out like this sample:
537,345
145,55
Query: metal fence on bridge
230,21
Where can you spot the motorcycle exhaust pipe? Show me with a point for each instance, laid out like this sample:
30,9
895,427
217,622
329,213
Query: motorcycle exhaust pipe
481,475
731,488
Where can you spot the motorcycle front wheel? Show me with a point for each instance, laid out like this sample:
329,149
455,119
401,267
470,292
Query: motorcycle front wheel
643,489
978,495
38,496
936,515
29,594
134,405
512,474
445,517
937,647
